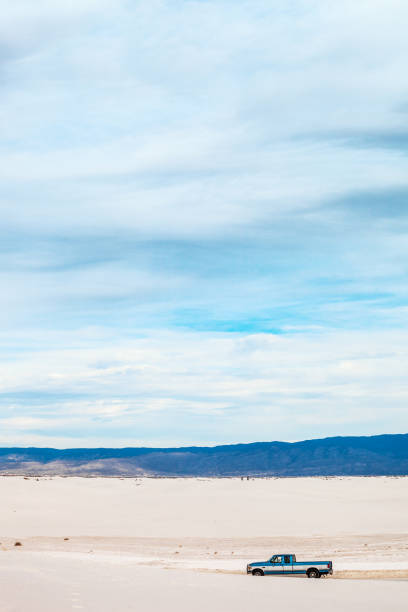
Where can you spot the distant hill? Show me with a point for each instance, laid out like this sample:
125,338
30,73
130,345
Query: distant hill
342,456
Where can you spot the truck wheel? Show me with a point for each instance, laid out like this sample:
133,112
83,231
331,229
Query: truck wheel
257,572
313,573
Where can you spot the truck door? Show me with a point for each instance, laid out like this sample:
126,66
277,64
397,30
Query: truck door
287,564
275,565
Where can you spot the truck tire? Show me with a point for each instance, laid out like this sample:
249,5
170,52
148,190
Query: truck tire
313,573
257,572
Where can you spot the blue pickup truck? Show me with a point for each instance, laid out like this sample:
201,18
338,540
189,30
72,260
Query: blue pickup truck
287,565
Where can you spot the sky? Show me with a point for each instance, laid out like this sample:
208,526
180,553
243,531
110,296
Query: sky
204,218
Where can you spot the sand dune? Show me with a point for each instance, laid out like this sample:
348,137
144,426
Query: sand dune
47,584
212,508
83,529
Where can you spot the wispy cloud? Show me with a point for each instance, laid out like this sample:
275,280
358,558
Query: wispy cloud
204,217
228,386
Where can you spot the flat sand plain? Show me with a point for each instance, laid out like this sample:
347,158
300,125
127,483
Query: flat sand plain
141,543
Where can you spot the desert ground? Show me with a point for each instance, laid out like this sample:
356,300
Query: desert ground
143,543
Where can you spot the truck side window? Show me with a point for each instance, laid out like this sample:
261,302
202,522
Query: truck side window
286,559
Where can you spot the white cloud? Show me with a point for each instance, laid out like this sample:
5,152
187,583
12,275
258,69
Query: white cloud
26,26
233,386
203,124
170,131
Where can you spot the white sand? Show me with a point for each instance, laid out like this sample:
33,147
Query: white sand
217,508
148,538
41,584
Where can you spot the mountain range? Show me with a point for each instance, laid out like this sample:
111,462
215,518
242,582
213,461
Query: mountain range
338,456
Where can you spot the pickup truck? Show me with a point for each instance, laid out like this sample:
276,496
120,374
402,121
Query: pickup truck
287,565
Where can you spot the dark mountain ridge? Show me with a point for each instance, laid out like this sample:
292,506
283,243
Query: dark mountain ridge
339,456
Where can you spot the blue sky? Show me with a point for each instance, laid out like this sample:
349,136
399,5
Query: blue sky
204,211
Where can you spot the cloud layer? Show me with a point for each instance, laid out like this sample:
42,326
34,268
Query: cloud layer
213,177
